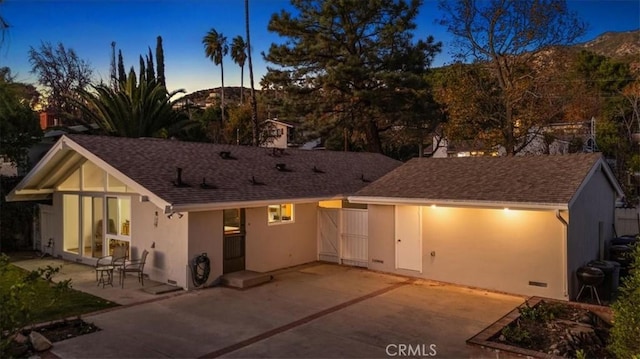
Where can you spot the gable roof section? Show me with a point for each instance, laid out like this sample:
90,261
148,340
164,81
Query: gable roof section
149,166
521,181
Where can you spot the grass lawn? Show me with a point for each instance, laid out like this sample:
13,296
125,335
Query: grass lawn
47,303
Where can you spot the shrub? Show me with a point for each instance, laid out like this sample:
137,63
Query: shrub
16,296
623,340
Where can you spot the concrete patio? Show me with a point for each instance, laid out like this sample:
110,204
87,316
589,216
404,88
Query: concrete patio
311,311
83,278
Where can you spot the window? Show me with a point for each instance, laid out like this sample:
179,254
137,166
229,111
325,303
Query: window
233,219
119,216
280,213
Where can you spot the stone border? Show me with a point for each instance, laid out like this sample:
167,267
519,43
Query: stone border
483,340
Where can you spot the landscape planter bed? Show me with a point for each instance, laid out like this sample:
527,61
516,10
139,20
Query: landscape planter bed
488,339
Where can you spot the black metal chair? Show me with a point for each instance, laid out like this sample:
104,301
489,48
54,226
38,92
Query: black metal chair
134,266
107,264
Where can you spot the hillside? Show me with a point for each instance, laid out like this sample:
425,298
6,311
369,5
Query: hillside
621,46
231,95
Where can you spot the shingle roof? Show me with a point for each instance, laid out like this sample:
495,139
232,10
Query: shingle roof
520,179
152,163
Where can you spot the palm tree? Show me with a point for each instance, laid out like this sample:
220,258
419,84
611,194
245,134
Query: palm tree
143,109
254,105
239,56
4,25
216,48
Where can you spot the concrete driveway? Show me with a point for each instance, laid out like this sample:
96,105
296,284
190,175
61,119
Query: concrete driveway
313,311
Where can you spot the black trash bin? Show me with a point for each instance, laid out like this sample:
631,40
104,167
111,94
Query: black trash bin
605,288
624,240
622,255
615,279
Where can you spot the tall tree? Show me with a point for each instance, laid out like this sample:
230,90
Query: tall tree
4,25
510,37
62,73
113,77
151,73
358,65
253,102
216,48
160,62
18,122
122,74
239,56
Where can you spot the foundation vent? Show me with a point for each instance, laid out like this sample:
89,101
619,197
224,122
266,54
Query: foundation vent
538,284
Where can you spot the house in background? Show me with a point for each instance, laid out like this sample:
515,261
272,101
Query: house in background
280,134
553,139
520,224
248,208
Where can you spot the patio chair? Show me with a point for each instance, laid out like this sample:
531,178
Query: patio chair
134,266
107,264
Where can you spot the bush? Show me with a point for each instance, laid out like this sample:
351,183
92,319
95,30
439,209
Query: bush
623,340
16,297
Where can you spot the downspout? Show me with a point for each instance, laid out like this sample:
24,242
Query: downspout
565,283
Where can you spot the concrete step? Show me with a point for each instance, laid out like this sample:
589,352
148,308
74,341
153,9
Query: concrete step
245,279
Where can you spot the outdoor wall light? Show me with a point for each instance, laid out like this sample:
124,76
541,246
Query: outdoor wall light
170,215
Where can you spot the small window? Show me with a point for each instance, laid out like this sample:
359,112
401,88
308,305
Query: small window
280,213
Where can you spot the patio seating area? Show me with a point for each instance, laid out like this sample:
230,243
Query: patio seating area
86,278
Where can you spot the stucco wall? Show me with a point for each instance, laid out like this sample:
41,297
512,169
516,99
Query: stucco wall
487,248
593,207
270,247
206,236
167,261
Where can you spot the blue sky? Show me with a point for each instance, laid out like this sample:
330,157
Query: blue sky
89,27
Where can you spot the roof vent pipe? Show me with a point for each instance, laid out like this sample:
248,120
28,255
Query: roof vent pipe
179,176
178,182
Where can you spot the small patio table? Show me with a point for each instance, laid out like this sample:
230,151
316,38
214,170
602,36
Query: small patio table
105,275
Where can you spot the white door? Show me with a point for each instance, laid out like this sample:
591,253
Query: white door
409,238
354,235
328,234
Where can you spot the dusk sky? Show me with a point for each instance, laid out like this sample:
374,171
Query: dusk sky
90,26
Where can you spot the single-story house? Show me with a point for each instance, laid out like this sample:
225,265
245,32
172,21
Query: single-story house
513,224
248,208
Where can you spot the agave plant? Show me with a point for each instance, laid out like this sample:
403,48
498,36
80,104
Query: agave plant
143,109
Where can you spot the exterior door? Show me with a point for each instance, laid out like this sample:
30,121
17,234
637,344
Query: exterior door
233,247
409,238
